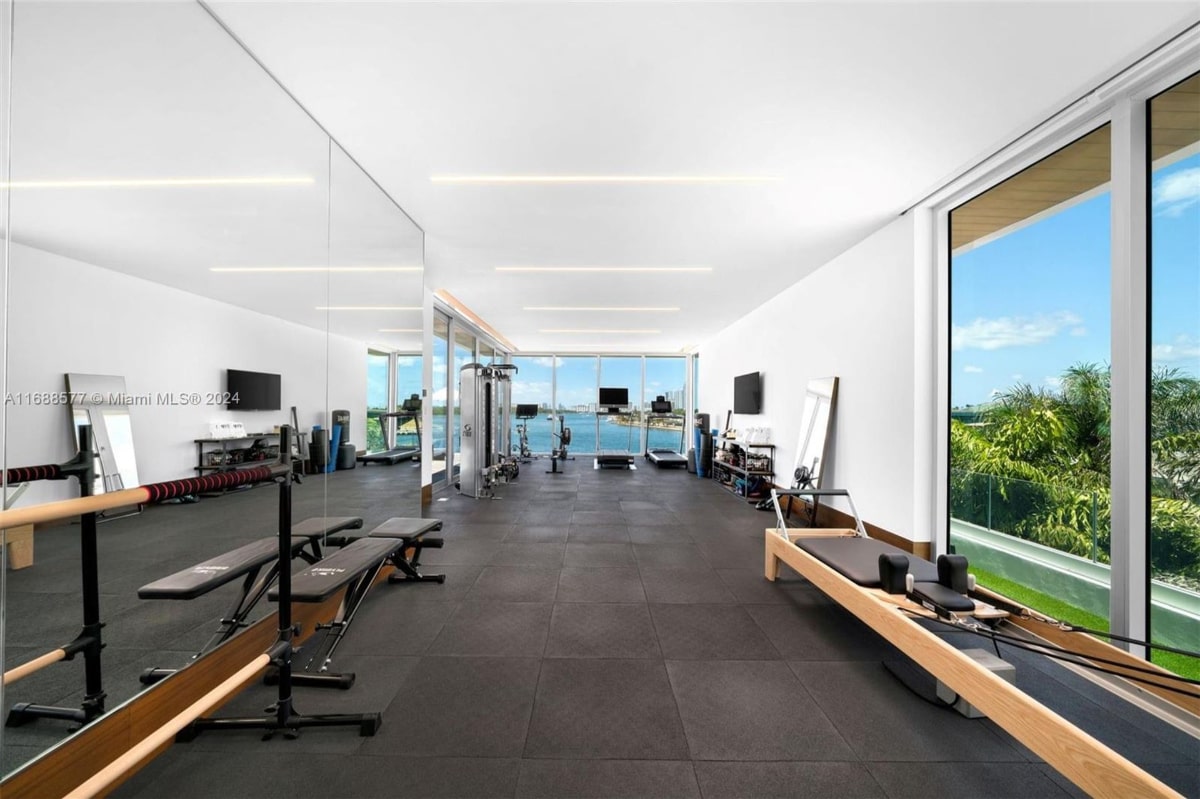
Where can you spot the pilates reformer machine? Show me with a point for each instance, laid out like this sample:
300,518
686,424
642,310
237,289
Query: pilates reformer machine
189,720
897,594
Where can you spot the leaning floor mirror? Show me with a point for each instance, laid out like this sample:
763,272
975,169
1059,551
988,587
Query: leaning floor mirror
812,448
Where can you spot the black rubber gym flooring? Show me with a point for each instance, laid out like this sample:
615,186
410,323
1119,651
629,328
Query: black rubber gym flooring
602,634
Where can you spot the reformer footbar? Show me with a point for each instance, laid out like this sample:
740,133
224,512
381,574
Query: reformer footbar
356,567
247,562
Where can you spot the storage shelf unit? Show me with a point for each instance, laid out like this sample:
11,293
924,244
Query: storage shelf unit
206,447
728,472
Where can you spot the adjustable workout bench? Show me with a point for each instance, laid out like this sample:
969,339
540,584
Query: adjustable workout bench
356,567
248,562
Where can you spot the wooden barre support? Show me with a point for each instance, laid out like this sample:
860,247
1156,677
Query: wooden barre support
114,771
33,666
1087,762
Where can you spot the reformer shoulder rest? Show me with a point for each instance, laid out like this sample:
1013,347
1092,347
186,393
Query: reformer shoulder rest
320,581
215,572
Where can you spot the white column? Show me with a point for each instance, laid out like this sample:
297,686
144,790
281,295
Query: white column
1128,604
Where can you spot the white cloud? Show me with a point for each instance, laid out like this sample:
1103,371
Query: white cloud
1078,331
408,360
974,370
1010,331
1176,193
547,361
1183,348
1018,377
1054,381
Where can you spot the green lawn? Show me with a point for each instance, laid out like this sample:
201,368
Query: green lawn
1180,664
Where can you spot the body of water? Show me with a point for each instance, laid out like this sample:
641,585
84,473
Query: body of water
583,435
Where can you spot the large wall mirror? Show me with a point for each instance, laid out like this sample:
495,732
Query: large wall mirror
816,422
179,222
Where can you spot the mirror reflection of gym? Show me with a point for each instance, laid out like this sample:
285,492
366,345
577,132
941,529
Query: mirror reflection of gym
238,227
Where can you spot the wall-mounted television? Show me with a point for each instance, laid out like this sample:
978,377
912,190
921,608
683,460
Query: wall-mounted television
747,393
252,391
613,397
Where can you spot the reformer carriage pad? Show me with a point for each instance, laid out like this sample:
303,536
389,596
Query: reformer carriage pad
857,558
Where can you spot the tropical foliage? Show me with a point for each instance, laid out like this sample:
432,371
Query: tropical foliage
1036,465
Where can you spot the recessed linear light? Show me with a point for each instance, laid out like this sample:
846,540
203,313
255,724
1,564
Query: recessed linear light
651,309
598,179
400,330
604,269
592,331
316,269
369,308
151,183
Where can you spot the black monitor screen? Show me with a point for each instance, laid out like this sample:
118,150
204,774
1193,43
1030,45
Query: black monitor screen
527,411
252,391
747,393
613,397
660,406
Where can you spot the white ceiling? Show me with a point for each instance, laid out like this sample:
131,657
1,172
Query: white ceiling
107,91
858,109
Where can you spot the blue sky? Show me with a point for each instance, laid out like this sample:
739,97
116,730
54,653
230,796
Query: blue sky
1032,303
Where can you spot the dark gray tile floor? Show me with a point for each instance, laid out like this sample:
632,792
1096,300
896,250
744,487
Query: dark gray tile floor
608,634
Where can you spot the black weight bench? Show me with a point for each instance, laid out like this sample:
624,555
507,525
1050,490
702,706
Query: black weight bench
355,567
246,562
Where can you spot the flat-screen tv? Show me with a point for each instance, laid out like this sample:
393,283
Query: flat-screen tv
613,397
252,391
747,393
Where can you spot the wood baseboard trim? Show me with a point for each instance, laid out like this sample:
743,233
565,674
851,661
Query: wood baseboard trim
828,516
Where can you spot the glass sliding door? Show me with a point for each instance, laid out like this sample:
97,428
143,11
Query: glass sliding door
439,396
1030,343
1174,444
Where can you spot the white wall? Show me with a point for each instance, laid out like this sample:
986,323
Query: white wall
70,316
857,318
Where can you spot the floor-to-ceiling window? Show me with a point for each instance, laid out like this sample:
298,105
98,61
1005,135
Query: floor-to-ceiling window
666,377
1174,220
408,388
1030,284
533,384
622,432
575,398
377,398
439,397
464,353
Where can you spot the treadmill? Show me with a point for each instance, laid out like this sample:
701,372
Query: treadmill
660,408
410,410
612,402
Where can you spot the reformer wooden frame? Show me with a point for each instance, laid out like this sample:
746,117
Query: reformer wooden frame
1083,759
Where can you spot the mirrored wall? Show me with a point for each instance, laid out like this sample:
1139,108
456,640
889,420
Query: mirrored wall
179,223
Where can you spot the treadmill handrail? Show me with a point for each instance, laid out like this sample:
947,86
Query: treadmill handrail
781,524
